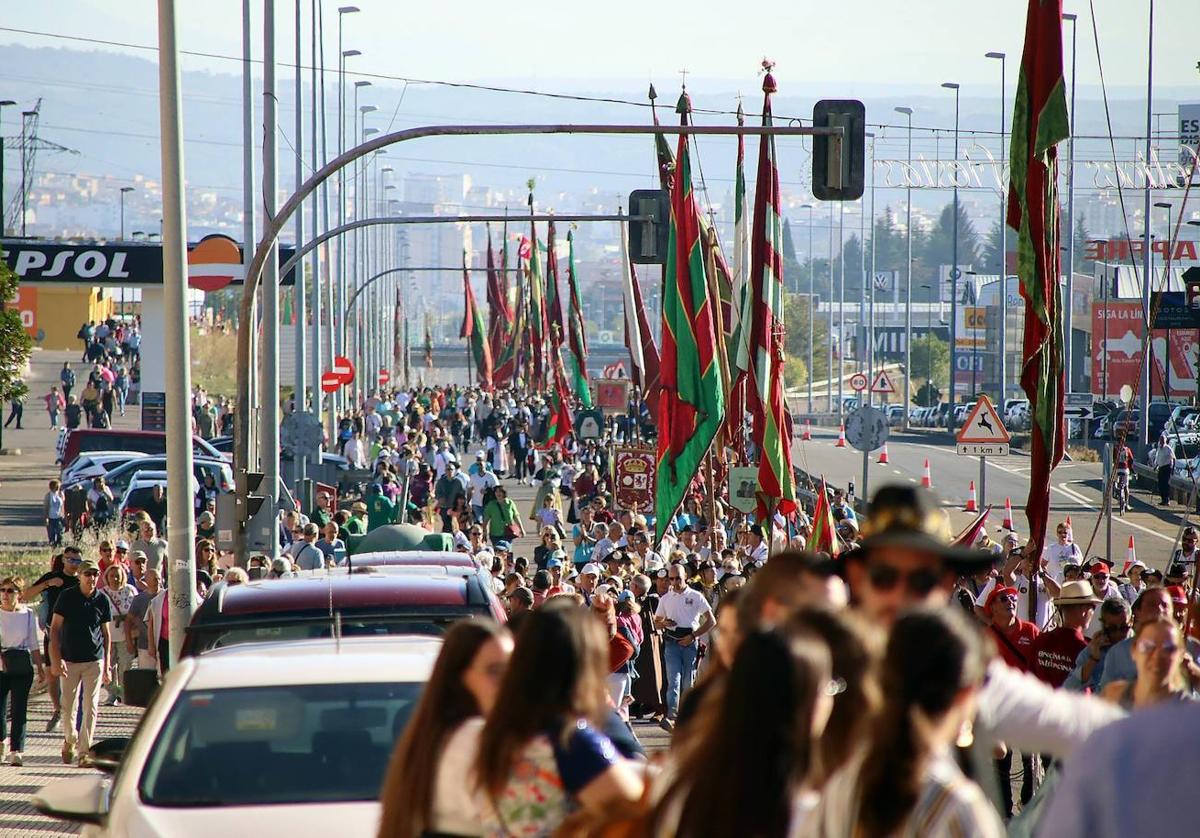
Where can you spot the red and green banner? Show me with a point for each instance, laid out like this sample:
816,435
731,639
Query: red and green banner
473,330
691,405
505,359
738,343
537,315
824,537
559,423
428,343
577,338
1039,124
555,331
500,319
764,382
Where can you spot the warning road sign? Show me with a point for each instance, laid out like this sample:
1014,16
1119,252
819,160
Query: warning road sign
983,425
883,383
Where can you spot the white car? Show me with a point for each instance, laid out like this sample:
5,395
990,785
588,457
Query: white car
259,740
96,464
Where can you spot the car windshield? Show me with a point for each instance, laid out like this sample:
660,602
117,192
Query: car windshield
217,637
254,746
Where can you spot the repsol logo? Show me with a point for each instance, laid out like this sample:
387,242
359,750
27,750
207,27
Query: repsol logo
83,264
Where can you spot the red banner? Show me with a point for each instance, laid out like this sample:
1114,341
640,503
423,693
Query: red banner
1120,343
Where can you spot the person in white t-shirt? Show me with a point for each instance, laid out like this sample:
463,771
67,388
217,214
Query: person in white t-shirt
1062,551
1016,573
684,615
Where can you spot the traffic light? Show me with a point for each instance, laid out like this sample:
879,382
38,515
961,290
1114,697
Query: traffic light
649,226
839,164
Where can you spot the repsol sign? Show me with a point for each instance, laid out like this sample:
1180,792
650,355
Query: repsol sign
89,263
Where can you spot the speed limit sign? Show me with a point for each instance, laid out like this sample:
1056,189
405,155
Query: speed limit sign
858,382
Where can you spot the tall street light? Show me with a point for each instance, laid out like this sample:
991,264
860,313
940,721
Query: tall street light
1003,368
124,191
929,334
829,312
812,270
908,112
339,310
1166,284
3,104
954,271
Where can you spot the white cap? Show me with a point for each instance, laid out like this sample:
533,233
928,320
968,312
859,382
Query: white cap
592,568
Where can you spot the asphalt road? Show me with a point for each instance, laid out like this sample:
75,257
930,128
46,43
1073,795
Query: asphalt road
1076,489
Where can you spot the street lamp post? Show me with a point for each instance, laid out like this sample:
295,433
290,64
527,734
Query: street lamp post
908,112
929,334
829,313
812,283
124,191
954,261
1003,368
3,104
1068,352
339,309
1147,257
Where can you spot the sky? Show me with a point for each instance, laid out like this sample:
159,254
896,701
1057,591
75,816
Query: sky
850,46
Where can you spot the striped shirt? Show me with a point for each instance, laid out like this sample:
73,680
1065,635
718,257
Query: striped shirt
948,806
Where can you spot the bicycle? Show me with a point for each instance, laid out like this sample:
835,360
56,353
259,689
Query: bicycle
1120,491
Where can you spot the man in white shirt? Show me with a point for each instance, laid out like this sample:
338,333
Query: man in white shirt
684,616
482,478
1164,461
443,458
756,546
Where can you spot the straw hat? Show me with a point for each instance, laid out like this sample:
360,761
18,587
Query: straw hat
1076,593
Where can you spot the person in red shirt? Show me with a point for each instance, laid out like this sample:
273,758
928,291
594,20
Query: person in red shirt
1015,639
1055,651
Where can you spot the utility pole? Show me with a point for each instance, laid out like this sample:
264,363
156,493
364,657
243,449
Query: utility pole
954,271
1004,233
180,523
908,270
299,297
1147,255
249,237
3,104
269,398
124,191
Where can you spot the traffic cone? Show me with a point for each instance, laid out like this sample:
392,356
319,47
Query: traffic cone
807,434
841,443
1130,556
927,476
971,506
883,457
1008,519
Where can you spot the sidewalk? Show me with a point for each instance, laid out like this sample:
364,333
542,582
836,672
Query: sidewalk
43,765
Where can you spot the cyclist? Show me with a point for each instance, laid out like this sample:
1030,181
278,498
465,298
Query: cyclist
1122,465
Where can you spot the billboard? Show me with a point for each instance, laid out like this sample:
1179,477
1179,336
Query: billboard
1189,134
1117,340
26,304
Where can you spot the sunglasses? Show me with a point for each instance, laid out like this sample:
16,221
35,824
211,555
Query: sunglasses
1102,577
918,582
9,591
72,560
91,573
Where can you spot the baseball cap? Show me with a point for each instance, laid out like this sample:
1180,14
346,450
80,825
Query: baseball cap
139,554
625,596
122,544
1178,594
88,564
661,573
653,563
592,568
523,594
1099,566
999,591
553,562
479,455
503,545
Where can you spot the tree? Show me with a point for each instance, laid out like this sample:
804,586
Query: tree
795,342
931,359
15,343
1082,264
990,261
792,273
939,248
928,395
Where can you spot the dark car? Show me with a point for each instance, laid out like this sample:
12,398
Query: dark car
360,603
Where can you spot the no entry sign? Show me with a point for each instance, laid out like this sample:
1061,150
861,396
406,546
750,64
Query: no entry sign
330,382
343,369
384,376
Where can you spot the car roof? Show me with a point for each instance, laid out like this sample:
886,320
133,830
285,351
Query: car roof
396,658
339,592
431,558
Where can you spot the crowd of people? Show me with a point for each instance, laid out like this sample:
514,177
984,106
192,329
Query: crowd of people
889,687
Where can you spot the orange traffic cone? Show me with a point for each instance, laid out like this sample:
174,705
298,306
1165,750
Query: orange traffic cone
1008,519
841,443
883,457
971,506
1130,555
927,476
807,434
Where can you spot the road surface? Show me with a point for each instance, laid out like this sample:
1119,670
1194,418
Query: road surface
1076,489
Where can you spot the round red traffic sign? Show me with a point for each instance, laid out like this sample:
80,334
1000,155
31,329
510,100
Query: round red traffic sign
858,381
343,369
330,382
384,375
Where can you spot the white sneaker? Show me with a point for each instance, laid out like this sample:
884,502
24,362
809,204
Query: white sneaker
3,750
16,759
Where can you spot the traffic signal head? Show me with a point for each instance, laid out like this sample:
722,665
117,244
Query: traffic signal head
649,226
839,163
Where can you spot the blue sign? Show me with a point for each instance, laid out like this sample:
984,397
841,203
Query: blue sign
1171,310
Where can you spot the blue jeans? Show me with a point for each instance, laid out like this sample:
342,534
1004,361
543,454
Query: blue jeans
681,672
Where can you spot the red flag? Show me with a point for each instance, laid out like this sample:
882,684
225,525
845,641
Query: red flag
824,536
1039,123
499,314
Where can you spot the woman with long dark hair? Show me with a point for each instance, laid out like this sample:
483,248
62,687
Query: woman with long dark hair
427,790
906,782
541,753
753,747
